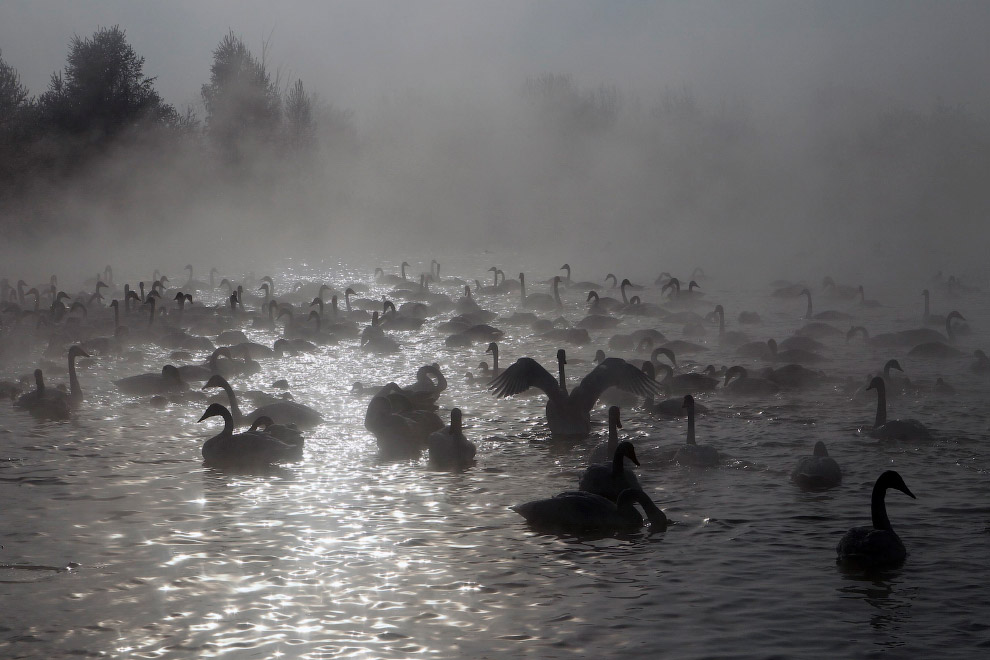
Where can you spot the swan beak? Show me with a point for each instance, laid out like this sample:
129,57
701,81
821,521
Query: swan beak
205,415
907,491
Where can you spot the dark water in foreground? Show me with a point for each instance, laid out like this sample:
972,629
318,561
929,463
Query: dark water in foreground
118,542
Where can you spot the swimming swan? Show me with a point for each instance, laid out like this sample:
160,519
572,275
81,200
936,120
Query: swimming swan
251,448
691,453
879,545
578,511
818,471
895,429
608,480
570,414
448,446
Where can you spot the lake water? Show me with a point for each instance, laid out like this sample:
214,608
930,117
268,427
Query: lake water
118,542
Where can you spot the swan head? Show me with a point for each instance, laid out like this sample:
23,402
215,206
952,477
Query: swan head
39,379
216,380
876,383
893,364
649,370
733,372
214,410
600,356
613,418
772,343
76,351
455,418
561,356
492,348
566,267
820,450
805,292
892,479
262,421
626,450
688,403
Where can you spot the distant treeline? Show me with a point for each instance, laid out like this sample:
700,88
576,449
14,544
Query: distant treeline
557,155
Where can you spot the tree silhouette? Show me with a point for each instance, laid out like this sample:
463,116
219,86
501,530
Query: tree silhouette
103,91
243,105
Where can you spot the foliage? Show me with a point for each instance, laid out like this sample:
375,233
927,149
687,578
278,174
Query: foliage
243,104
103,91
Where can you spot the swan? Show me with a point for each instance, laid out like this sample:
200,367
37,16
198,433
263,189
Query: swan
838,291
896,339
605,474
602,304
863,302
691,453
169,380
290,434
744,385
448,446
578,511
669,407
795,355
493,349
731,338
927,317
818,471
570,413
281,412
248,449
982,364
681,383
943,388
794,376
399,433
569,283
539,301
877,546
423,393
939,349
895,429
830,315
44,402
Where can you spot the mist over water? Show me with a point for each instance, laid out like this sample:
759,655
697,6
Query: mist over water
755,140
773,139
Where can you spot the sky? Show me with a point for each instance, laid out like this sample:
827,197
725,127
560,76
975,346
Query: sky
354,52
459,162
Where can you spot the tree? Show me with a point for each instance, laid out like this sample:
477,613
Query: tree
300,127
13,95
103,91
243,104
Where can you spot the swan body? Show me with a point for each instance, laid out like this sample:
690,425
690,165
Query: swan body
895,429
448,446
745,385
248,449
579,511
877,546
608,480
397,433
168,381
691,453
818,471
43,402
570,413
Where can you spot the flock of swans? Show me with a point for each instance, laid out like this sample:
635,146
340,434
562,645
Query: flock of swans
404,418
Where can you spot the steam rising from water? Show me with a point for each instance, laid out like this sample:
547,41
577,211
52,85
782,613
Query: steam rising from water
770,139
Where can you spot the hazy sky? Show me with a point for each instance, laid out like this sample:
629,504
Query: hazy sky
353,52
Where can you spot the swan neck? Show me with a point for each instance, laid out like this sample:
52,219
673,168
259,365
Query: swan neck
878,508
807,313
881,409
690,431
235,410
74,390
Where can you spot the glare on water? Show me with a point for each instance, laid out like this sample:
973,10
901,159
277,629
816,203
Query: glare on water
118,541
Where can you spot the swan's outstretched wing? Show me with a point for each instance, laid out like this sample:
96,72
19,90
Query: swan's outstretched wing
522,375
612,372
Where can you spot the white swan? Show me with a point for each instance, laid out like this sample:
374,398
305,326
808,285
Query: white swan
818,471
691,453
448,446
570,414
877,546
281,412
248,449
578,511
896,429
610,479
